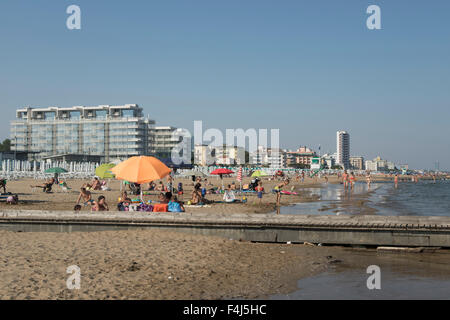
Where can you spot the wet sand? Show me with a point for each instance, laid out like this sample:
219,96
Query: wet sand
402,276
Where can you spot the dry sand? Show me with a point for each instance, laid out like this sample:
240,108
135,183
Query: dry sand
30,199
150,264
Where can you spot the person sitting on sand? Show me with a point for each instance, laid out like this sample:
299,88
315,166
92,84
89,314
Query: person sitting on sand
175,206
86,195
161,197
94,185
196,194
160,186
228,195
167,197
46,187
151,186
100,204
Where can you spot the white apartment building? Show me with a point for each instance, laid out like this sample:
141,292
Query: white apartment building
162,141
205,155
107,131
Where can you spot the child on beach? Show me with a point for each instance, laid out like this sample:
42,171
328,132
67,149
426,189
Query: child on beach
259,191
228,195
180,189
100,204
86,196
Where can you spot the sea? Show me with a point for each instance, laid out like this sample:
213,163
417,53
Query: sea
403,276
425,198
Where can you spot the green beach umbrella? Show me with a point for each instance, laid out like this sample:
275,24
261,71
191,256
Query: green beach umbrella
259,173
104,171
56,170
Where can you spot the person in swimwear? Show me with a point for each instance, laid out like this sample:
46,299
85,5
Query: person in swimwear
86,196
396,181
352,180
345,179
94,185
100,204
259,191
278,190
46,187
368,180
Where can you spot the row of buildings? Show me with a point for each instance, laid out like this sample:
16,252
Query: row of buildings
105,133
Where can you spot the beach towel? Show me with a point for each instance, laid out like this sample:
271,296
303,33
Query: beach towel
197,206
160,207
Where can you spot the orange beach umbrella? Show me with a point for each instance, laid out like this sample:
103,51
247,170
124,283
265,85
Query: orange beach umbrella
141,169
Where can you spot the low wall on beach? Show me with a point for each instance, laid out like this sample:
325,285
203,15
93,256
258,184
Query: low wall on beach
343,230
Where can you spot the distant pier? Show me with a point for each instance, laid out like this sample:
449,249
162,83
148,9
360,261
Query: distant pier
408,231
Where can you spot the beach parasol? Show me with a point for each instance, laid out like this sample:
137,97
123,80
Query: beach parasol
192,173
56,170
221,172
259,173
141,169
104,171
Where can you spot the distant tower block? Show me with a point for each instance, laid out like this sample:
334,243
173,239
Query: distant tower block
343,149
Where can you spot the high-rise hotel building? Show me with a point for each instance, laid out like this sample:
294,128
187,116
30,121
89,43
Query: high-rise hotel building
108,131
343,149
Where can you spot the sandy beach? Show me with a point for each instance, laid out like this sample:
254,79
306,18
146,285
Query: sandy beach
35,199
151,264
155,264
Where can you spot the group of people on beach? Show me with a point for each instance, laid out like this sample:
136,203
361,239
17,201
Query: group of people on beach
348,180
86,196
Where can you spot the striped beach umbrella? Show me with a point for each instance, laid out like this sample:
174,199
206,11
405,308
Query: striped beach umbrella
239,177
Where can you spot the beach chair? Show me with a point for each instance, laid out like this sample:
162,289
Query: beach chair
64,187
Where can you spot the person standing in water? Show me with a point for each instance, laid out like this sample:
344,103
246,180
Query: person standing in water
368,180
352,180
345,179
396,181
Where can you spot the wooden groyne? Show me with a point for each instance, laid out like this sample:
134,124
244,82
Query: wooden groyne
325,229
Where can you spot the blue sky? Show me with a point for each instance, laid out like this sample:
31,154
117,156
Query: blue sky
309,68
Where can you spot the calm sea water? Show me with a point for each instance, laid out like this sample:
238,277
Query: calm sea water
425,198
408,276
402,276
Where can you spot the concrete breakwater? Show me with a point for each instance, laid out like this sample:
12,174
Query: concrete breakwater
370,230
